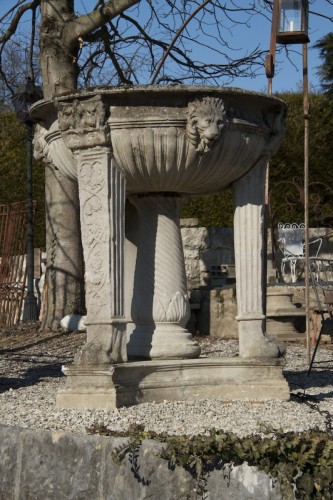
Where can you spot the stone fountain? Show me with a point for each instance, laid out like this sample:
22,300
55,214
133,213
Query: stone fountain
138,153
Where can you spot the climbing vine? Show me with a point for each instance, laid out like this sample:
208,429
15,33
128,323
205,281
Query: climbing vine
302,463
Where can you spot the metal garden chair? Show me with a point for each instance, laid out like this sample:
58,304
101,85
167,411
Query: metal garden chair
291,244
321,279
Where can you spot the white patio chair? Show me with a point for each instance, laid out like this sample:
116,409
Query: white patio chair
292,246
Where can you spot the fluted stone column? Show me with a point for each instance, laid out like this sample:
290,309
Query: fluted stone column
249,242
160,305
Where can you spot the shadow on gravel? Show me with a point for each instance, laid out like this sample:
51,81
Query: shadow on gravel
38,341
31,377
316,379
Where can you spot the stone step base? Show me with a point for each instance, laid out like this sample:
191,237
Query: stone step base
127,384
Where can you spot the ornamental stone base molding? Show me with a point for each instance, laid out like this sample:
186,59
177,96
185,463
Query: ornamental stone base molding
128,384
155,146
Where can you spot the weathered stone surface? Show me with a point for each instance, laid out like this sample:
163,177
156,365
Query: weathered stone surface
58,465
143,474
247,483
42,465
9,462
189,222
196,238
156,145
223,311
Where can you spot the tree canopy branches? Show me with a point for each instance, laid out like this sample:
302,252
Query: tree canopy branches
128,40
138,41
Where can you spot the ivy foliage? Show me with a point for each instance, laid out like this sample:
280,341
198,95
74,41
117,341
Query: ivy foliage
13,172
302,463
286,166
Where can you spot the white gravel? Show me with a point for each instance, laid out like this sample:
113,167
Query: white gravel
30,378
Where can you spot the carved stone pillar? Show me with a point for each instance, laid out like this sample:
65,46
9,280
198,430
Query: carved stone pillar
250,262
160,305
102,193
102,209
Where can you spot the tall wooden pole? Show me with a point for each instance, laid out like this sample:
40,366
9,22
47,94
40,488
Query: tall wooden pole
306,193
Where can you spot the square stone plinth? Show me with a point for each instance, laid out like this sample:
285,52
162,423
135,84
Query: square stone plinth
127,384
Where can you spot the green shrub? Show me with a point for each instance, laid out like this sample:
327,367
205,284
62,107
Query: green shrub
13,172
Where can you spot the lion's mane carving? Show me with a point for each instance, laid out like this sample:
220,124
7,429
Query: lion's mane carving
206,119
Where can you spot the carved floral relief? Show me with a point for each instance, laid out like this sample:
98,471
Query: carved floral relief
92,188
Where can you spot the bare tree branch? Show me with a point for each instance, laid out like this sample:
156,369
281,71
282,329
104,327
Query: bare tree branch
84,25
181,29
17,17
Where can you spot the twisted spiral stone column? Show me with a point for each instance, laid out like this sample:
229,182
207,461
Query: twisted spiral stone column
160,305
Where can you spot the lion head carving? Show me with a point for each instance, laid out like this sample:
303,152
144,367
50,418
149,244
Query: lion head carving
206,119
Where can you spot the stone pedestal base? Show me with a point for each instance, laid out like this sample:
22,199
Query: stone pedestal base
161,341
229,379
88,387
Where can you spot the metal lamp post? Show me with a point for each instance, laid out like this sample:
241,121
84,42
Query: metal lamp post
290,26
22,100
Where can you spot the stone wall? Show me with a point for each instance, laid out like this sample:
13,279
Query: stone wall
43,465
204,249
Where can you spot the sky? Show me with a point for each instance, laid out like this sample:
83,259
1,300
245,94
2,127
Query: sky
288,74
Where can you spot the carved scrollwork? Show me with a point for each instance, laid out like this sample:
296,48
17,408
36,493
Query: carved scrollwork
83,123
206,119
41,148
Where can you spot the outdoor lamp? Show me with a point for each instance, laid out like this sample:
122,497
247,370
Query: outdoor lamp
22,100
25,96
289,26
292,21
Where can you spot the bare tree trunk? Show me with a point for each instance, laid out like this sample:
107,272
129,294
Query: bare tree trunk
61,33
65,282
64,250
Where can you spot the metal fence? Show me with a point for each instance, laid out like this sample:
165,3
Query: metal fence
13,234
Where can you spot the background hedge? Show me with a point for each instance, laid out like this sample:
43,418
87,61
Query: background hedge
13,172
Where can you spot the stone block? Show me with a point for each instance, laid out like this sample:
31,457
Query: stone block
223,312
191,254
59,465
144,474
192,270
195,238
189,222
43,465
242,482
9,468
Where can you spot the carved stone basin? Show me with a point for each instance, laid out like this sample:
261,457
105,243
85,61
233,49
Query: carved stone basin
181,139
137,154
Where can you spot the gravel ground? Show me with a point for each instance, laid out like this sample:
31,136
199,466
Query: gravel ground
30,375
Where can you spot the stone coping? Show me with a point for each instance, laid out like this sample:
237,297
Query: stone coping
48,465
